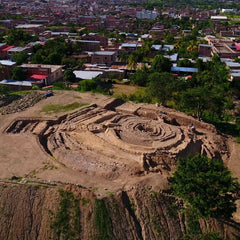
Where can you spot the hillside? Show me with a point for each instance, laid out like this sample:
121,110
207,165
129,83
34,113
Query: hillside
89,166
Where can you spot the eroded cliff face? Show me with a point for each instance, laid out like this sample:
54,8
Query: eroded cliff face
42,211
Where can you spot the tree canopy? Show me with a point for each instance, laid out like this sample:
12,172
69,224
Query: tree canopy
20,57
18,74
161,64
69,76
207,185
18,37
160,86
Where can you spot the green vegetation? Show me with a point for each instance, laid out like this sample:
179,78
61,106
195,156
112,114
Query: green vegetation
206,185
160,87
56,108
18,37
18,74
15,178
67,224
4,90
69,76
160,64
202,236
102,221
20,57
56,52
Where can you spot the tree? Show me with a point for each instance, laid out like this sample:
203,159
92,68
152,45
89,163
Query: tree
18,74
20,57
185,63
161,64
207,185
38,58
195,99
160,86
18,37
87,85
140,78
132,61
54,58
69,76
123,56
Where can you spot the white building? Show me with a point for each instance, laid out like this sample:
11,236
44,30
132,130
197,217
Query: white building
146,14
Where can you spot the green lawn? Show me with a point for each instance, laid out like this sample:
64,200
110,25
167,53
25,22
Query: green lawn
56,108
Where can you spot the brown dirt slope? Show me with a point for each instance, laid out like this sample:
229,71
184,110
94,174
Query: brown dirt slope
35,212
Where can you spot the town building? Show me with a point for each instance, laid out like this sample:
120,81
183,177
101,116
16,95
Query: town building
43,74
5,69
103,57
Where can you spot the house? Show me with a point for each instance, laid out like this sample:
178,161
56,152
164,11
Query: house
234,70
89,45
43,74
31,28
3,51
5,69
128,47
14,50
217,19
103,57
147,14
205,50
102,39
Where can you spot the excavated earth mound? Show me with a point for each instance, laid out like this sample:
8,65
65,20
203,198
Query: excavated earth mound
118,138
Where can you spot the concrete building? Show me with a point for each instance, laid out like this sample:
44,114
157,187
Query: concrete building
31,28
103,57
205,50
146,14
89,45
43,74
16,85
5,69
14,50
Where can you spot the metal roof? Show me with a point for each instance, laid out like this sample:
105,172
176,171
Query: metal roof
129,45
232,64
167,47
28,25
7,63
16,83
18,49
87,74
157,47
205,45
184,69
104,53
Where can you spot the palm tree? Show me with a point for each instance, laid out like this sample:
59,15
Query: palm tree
132,62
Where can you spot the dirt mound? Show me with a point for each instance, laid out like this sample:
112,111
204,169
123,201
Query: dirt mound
110,143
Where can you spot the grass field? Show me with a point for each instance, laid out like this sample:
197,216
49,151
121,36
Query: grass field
119,89
56,108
